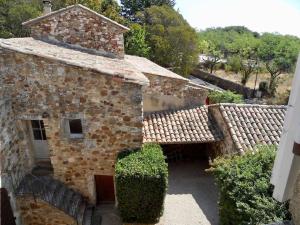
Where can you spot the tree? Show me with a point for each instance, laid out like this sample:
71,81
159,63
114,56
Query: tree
135,41
112,10
13,13
246,48
130,8
92,4
279,54
212,56
173,43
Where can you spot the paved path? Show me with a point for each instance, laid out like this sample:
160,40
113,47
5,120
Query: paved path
192,196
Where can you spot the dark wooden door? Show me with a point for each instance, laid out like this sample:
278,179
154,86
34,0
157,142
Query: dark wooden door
7,216
105,189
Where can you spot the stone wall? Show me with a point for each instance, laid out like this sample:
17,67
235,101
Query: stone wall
38,212
110,110
226,146
80,27
15,156
166,93
295,202
223,83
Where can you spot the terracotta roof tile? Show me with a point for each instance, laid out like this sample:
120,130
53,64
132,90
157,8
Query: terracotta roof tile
250,125
181,126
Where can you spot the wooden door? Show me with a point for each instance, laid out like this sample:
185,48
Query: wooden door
6,215
105,189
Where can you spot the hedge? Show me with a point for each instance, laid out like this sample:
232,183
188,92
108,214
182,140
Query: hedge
245,189
141,184
225,97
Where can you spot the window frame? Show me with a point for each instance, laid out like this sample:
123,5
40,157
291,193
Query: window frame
75,135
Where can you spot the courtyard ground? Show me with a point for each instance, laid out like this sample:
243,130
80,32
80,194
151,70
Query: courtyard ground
192,195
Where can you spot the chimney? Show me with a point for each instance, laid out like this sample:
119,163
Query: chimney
47,6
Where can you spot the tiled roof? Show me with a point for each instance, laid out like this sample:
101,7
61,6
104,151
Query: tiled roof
115,67
146,66
41,18
250,125
181,126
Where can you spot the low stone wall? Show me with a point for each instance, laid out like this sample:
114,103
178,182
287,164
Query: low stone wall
166,93
15,158
223,83
226,146
40,213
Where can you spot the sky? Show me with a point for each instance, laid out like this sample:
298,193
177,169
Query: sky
282,16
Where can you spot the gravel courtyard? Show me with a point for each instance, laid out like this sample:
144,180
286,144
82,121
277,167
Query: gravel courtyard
192,196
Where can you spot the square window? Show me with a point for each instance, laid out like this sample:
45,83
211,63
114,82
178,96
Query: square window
75,126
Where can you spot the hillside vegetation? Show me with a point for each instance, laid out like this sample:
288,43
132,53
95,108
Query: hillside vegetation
241,51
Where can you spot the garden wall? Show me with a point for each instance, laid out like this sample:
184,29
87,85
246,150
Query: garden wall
223,83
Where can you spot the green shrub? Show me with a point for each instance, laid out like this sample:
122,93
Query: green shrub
224,97
141,184
245,189
234,64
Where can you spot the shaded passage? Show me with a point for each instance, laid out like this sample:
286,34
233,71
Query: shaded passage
192,196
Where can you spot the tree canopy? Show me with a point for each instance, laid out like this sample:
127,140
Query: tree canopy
246,51
173,42
131,8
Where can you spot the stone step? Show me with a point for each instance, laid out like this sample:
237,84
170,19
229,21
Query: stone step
57,199
60,196
87,217
96,217
81,210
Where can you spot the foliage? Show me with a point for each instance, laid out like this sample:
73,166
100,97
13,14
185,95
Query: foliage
135,41
245,189
224,97
112,10
234,64
13,13
276,53
131,8
245,47
92,4
141,184
279,54
172,41
212,54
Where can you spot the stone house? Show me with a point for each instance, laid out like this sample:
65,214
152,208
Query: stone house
71,100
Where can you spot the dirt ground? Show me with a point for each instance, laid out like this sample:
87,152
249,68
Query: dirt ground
192,195
284,83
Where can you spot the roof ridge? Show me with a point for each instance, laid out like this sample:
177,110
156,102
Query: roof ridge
175,110
40,18
250,105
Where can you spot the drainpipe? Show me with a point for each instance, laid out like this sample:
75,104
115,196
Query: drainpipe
47,6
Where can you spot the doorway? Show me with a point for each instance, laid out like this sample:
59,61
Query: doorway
105,189
39,140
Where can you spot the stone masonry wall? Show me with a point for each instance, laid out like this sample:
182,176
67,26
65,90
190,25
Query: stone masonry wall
15,156
38,212
166,93
79,27
110,110
295,202
225,146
